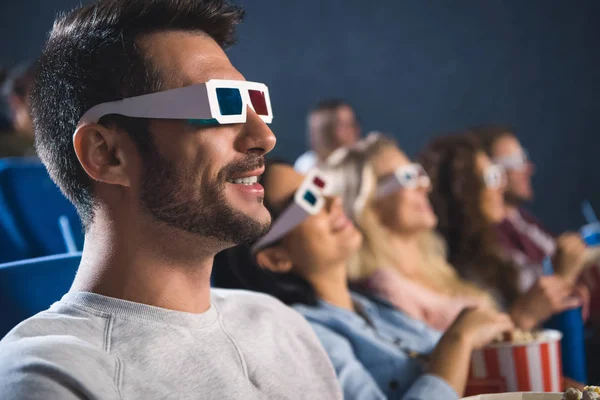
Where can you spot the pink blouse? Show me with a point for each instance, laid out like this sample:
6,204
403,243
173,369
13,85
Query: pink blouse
435,309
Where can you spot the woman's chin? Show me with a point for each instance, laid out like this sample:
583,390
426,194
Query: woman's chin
353,242
432,222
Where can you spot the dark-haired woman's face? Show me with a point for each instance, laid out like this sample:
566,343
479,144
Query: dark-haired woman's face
408,210
492,197
322,240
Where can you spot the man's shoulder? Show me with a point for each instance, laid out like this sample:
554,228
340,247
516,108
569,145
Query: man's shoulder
53,363
238,298
253,306
57,336
532,219
305,162
62,320
49,347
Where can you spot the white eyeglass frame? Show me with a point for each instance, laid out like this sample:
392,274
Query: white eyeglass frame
494,176
299,209
198,101
399,180
514,162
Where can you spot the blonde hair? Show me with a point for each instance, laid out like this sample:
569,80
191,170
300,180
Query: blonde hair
354,180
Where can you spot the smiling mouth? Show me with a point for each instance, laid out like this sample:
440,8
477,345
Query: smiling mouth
250,180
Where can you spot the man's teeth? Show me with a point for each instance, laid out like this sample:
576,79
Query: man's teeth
251,180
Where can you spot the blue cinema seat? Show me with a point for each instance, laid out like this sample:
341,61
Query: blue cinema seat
34,215
30,286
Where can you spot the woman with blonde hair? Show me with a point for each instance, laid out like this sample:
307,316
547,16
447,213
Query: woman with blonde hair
402,259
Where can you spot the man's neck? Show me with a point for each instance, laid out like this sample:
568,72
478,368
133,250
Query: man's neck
331,285
143,263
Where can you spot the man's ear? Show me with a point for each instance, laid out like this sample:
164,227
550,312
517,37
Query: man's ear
102,154
275,259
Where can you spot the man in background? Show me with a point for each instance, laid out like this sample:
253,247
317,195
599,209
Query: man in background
522,235
331,124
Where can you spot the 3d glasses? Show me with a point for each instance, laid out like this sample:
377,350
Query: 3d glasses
494,176
217,101
308,200
409,176
516,161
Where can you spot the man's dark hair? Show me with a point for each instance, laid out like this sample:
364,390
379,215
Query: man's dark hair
93,56
489,135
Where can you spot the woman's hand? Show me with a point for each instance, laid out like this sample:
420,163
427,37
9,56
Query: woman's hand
472,329
480,326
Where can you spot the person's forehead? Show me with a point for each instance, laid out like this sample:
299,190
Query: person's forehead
281,182
345,112
186,58
387,160
506,145
320,120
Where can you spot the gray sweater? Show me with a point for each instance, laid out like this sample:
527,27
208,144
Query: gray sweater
87,346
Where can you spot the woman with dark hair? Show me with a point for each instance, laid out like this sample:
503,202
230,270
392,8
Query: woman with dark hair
468,198
377,351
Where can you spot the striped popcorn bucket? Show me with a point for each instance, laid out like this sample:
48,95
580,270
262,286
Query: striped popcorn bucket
526,367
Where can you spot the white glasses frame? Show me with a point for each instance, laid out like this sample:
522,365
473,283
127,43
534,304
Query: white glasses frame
494,176
198,101
300,209
409,176
515,162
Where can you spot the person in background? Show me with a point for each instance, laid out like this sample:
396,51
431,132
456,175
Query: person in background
16,132
520,234
468,198
377,351
525,240
331,124
160,192
401,259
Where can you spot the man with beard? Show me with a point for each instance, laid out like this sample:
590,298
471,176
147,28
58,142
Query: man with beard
158,141
521,235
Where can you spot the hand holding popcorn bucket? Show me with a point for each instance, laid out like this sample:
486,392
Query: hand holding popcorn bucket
532,366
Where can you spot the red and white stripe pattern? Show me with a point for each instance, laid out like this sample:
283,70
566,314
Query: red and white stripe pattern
531,367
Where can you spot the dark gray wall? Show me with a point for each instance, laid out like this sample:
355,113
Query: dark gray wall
416,69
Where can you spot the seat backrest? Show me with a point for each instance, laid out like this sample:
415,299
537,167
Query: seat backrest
30,286
12,244
45,220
